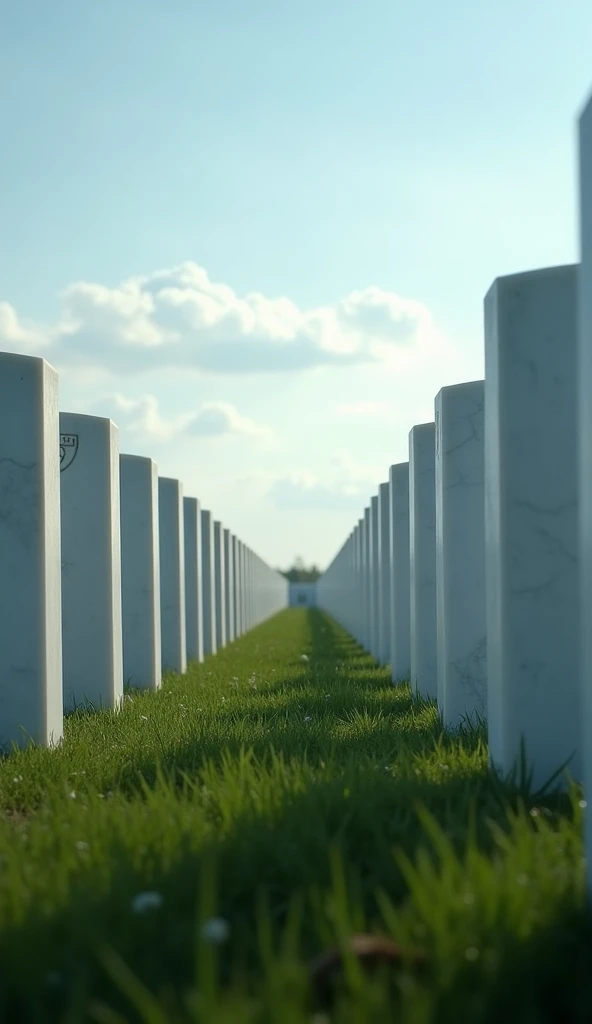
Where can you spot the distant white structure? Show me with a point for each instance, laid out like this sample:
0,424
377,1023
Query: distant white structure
302,595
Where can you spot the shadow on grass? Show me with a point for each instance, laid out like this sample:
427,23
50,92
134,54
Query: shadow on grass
278,848
277,853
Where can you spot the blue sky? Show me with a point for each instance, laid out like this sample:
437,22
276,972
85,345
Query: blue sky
323,191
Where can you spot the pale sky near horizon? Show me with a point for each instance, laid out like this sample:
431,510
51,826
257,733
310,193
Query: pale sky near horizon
258,234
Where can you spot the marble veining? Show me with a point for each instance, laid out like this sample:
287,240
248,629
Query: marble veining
400,572
30,588
532,487
422,559
172,575
460,552
91,565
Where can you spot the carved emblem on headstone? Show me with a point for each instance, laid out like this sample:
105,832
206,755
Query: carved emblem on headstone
68,449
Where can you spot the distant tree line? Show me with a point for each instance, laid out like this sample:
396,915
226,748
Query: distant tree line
300,573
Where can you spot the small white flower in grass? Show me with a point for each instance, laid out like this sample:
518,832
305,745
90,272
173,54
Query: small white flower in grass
144,901
582,803
308,718
304,657
72,795
144,718
534,812
216,930
18,778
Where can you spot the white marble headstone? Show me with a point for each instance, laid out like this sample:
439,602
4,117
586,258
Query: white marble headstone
585,457
531,371
92,627
208,586
31,696
460,553
245,610
193,579
140,572
422,559
384,566
172,575
399,571
228,586
367,581
219,588
359,594
375,580
237,586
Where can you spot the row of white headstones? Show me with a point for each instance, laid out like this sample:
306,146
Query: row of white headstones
470,572
108,574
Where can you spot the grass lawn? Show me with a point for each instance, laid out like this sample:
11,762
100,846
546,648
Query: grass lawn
186,859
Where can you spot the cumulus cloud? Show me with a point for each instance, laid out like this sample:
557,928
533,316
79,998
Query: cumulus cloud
180,319
141,417
344,485
16,337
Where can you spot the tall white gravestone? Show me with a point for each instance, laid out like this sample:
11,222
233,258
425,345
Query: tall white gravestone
228,586
91,562
208,584
531,434
193,579
384,564
140,572
585,456
244,589
31,700
172,575
422,559
367,582
375,577
219,588
237,585
399,571
360,585
460,552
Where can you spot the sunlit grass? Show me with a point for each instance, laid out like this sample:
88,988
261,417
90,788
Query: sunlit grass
184,859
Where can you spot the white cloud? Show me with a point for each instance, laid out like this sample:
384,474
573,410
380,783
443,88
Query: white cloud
343,485
15,337
384,315
141,417
180,319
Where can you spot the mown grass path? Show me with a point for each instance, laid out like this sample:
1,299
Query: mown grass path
184,859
